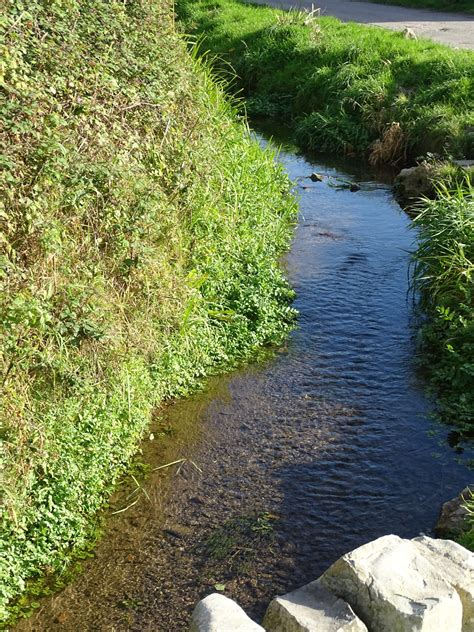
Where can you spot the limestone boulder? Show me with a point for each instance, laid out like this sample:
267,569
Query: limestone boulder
312,608
392,587
217,613
457,567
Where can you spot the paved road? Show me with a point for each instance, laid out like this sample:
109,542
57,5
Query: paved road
454,29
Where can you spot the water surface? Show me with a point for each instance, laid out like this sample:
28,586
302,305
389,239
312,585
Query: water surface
292,462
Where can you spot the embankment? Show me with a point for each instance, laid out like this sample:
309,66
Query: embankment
343,88
140,232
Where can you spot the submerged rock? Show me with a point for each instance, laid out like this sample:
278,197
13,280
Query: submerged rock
312,608
457,566
217,613
392,587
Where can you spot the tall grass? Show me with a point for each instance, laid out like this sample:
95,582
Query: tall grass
444,277
341,87
140,230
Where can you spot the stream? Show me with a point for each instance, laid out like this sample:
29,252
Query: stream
284,465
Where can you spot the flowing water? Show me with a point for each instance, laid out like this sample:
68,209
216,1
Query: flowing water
290,463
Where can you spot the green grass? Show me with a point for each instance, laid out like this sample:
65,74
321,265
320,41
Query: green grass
444,278
140,230
341,87
457,6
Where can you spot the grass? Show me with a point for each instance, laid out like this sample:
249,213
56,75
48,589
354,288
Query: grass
140,230
341,87
457,6
444,277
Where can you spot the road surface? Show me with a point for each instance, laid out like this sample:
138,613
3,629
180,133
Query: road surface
453,29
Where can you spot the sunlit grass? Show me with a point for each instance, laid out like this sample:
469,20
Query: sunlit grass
341,87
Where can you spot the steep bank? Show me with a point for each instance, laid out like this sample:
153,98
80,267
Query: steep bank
140,233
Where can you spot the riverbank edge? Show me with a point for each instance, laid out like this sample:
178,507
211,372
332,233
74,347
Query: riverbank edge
153,239
343,88
267,52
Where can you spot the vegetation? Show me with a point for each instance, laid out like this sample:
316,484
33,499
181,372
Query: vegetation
140,231
342,87
444,277
463,6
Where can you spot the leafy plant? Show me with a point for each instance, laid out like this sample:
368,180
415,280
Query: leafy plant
140,232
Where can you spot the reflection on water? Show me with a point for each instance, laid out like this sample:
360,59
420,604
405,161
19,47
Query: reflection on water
328,440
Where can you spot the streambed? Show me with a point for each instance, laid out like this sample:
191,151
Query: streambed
285,465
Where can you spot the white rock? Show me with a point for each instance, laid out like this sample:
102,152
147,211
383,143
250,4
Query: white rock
217,613
311,608
457,567
393,588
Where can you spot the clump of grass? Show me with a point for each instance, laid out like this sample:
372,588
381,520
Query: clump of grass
341,87
444,277
140,230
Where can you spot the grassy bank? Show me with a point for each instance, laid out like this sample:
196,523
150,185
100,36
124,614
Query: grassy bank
342,87
444,277
140,231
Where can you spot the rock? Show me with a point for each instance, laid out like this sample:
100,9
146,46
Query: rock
311,608
409,33
217,613
414,182
392,587
452,519
354,187
457,566
316,177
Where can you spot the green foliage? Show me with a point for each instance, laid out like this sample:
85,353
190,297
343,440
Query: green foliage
467,538
342,87
140,230
444,277
238,538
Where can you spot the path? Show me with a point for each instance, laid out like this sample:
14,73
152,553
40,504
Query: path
454,29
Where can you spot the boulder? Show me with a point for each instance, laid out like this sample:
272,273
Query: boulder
217,613
414,182
457,566
311,608
452,519
392,587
